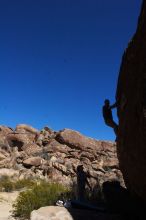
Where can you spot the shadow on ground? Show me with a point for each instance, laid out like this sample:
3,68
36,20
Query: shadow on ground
119,205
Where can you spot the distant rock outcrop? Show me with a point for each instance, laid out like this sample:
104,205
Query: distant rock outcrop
131,98
56,155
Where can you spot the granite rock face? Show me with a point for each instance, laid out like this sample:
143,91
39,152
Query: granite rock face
23,134
131,99
50,213
56,155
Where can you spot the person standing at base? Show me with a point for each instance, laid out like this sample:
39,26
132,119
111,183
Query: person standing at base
81,183
108,117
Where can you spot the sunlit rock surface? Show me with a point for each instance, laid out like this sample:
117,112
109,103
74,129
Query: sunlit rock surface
56,155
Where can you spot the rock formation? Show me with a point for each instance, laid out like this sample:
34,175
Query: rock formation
131,99
56,155
51,212
61,213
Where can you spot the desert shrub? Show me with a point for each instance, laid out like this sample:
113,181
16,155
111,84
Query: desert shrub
40,195
6,184
19,184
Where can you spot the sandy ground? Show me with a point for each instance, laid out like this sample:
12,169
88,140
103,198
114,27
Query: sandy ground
6,201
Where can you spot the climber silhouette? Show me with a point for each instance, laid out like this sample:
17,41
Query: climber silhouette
108,117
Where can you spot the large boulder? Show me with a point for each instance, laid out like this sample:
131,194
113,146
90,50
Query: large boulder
31,149
26,128
50,213
4,133
54,146
33,161
61,213
23,134
76,140
131,99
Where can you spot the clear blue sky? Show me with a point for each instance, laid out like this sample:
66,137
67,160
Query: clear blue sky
59,60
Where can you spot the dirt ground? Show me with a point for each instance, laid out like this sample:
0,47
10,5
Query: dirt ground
6,201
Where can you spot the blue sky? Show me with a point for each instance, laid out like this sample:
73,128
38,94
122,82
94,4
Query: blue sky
59,60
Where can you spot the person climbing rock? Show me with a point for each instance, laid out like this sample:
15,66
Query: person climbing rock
108,117
81,183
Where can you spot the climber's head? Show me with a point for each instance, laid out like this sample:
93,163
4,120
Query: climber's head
107,102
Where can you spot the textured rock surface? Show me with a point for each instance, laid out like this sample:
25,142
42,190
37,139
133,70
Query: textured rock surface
23,134
61,213
4,131
56,155
31,149
131,96
50,213
75,139
33,161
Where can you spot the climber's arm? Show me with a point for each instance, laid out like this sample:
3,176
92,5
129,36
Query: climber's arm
114,105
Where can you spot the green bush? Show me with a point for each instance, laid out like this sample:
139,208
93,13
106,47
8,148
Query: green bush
5,184
40,195
19,184
8,185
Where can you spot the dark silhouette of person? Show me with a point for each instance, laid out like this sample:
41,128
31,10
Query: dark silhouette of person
81,183
108,117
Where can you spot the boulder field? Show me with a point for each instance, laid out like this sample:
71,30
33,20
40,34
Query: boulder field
26,152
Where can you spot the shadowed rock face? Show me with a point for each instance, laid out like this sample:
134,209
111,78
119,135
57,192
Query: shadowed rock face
131,96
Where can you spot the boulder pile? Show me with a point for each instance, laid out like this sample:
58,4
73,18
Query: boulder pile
29,153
